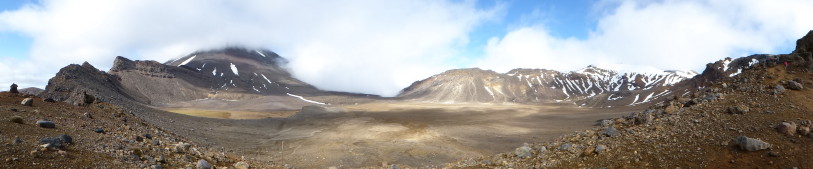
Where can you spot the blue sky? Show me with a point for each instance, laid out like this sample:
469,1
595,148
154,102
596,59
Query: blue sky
379,47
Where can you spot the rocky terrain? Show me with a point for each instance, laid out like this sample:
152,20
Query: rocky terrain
759,117
40,133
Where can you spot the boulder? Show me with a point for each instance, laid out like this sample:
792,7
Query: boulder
524,151
600,149
787,128
46,124
606,123
241,165
611,131
56,142
203,164
27,102
13,88
793,85
16,119
182,147
739,109
778,89
751,144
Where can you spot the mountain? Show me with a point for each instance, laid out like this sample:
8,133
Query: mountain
541,85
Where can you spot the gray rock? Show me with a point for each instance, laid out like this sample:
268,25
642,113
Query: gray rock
524,151
98,130
27,102
88,115
241,165
156,166
203,164
778,89
182,147
16,119
606,123
393,166
148,136
792,85
156,142
46,124
564,147
751,144
804,130
139,139
600,149
16,140
161,159
56,142
611,132
543,149
787,128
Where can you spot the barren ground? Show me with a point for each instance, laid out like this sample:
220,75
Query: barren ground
403,133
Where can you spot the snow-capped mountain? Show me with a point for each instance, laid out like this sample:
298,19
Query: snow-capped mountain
541,85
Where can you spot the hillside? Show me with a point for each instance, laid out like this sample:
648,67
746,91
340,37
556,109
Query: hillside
757,117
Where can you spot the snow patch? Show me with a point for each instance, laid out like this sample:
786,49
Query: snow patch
234,69
736,73
266,79
489,91
303,99
258,52
214,72
187,60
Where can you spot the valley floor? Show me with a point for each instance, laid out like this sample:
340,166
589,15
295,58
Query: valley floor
397,132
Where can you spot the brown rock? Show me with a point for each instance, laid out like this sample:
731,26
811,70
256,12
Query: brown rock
739,109
671,109
804,130
787,128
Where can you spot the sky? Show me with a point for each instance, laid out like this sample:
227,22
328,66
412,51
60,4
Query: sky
380,47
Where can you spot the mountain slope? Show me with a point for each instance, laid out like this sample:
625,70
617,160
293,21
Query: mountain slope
541,85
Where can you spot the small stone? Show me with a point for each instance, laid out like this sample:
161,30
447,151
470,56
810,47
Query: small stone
182,147
543,149
778,89
16,140
739,109
156,142
241,165
203,164
161,159
139,139
148,136
787,128
49,100
751,144
66,138
28,102
88,115
600,149
98,130
524,151
46,124
564,147
804,130
16,119
773,154
156,166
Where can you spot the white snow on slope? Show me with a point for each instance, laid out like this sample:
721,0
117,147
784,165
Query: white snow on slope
303,99
233,69
187,60
258,52
725,64
489,91
266,79
214,72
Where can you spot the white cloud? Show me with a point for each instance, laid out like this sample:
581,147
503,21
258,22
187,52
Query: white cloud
374,47
667,34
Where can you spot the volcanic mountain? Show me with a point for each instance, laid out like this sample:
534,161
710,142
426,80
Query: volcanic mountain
540,85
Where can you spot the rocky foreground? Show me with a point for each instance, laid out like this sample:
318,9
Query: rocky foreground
40,133
760,118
